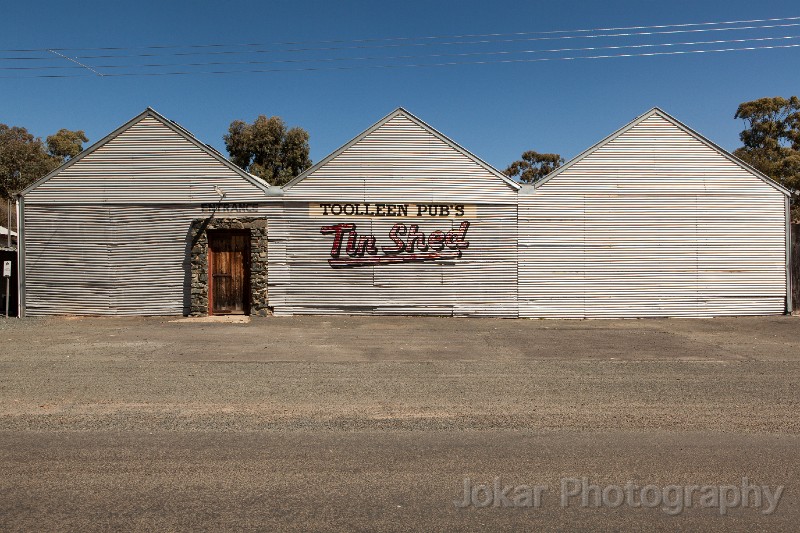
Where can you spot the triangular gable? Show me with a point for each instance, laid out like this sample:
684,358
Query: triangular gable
150,119
658,113
401,142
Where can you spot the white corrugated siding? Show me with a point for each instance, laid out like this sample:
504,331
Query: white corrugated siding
108,234
146,163
109,260
653,223
402,162
481,282
399,162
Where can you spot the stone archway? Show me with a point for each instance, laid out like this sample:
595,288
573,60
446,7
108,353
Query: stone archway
259,296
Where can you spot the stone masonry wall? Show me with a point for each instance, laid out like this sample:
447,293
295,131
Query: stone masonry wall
259,298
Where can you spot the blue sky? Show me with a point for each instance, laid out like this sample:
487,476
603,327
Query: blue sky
494,110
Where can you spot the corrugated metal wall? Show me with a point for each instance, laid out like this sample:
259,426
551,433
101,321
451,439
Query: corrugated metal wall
402,161
481,282
146,163
795,266
109,260
653,223
108,234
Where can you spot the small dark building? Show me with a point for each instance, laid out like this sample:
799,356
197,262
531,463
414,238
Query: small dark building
10,255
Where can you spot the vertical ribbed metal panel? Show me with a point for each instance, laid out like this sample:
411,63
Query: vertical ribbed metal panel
110,260
401,161
652,223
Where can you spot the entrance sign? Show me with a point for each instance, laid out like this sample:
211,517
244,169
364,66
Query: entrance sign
236,207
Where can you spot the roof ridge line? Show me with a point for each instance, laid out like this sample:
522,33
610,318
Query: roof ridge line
419,122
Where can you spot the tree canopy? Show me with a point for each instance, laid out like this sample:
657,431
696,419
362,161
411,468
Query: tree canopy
771,139
66,144
24,158
267,149
533,166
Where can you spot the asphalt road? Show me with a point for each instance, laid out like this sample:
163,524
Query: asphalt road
322,423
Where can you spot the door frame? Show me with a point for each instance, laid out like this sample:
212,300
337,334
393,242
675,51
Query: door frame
246,265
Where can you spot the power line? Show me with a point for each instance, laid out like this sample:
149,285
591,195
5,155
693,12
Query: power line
428,37
425,44
452,43
414,65
373,58
81,65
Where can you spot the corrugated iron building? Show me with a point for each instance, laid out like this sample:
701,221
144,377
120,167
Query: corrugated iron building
655,220
109,232
405,188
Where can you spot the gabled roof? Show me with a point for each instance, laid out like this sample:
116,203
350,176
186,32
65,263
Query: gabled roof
402,112
676,123
174,126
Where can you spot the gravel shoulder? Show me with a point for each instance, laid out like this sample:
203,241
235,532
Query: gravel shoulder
376,339
741,396
349,373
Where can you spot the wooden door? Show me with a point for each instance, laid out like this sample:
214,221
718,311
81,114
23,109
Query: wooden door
229,272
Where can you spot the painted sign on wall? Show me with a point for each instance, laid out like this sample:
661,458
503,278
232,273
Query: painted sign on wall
409,245
380,210
234,207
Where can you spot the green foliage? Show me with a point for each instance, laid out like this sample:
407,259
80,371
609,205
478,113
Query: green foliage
533,166
267,149
66,144
24,158
772,139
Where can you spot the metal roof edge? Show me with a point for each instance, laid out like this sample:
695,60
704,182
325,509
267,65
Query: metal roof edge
402,111
313,168
724,152
595,147
450,142
189,136
4,231
85,152
677,123
274,190
174,126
